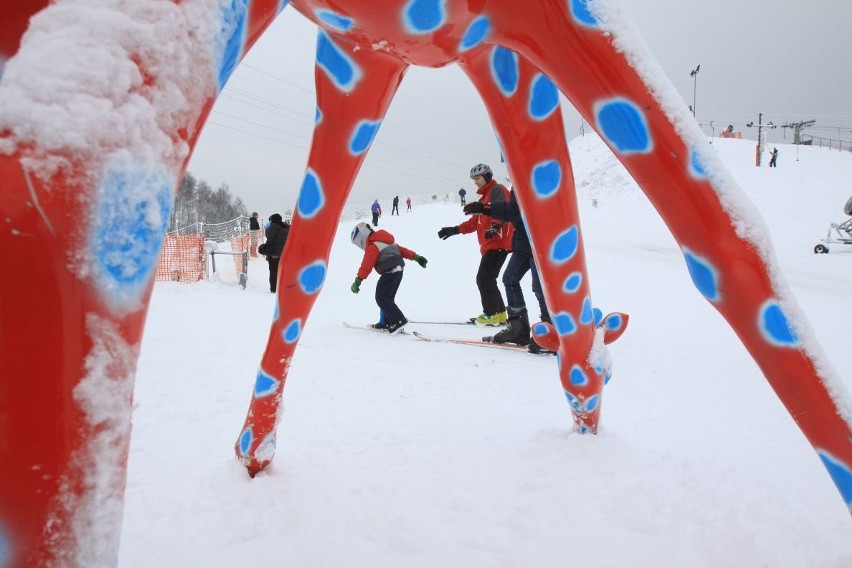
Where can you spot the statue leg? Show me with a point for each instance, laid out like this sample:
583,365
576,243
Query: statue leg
524,109
85,202
648,127
354,90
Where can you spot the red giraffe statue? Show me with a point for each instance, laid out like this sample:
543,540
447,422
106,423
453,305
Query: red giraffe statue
100,105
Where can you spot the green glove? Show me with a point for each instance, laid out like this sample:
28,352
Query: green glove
420,260
356,286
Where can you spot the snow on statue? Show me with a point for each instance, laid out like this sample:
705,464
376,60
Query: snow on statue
100,105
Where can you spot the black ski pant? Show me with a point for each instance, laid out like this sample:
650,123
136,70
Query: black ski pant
486,280
386,296
273,271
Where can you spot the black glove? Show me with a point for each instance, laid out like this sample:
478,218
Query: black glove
493,231
448,232
421,260
477,208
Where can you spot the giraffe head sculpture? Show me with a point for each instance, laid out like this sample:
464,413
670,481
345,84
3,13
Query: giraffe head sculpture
88,169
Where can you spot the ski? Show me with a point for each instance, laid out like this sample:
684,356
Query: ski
469,322
442,322
373,329
475,342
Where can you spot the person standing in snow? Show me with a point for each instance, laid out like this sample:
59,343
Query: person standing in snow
773,158
387,258
254,234
276,237
462,194
408,203
495,243
376,210
395,206
521,262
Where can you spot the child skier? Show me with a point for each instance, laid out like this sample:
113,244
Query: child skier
383,254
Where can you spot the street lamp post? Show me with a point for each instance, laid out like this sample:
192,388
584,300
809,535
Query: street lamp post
694,75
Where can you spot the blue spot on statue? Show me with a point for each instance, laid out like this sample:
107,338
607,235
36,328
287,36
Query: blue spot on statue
544,97
504,70
311,196
133,211
565,246
704,275
581,14
564,324
586,314
624,126
546,177
840,474
293,331
424,16
232,37
317,117
312,277
613,321
696,169
573,402
572,283
578,377
245,441
264,385
775,327
334,20
363,136
591,403
5,547
338,66
476,32
607,374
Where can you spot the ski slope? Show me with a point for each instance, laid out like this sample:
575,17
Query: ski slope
397,452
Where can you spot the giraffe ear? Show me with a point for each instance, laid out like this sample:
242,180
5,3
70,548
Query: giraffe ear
546,336
614,325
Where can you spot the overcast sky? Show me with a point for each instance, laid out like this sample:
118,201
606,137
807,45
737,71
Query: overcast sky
787,59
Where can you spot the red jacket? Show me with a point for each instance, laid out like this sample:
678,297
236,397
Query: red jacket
381,243
491,192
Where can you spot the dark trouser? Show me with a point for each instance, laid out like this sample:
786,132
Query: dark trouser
518,265
486,280
386,296
375,219
395,208
273,271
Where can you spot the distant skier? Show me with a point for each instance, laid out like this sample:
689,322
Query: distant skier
408,203
376,210
395,205
386,257
462,195
774,158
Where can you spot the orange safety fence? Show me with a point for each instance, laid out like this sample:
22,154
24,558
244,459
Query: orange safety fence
239,244
182,259
255,238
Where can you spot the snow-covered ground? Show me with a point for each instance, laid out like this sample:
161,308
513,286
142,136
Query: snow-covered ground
394,452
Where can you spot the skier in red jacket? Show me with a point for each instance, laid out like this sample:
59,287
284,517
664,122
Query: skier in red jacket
495,244
386,257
